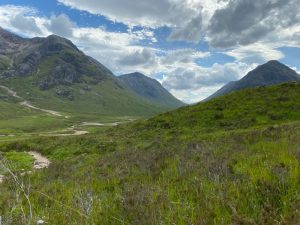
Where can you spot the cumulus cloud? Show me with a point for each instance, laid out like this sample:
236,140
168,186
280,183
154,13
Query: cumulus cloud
196,83
16,18
185,17
197,77
223,23
138,57
183,56
243,22
256,53
120,52
191,31
27,24
146,13
61,25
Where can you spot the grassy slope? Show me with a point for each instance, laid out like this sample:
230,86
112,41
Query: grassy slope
17,119
105,98
252,107
192,166
102,104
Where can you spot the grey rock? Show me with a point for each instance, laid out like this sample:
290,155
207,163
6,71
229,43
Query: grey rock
64,93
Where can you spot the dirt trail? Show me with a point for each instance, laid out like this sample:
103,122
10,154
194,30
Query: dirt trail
10,92
40,162
28,104
76,133
83,124
79,132
86,124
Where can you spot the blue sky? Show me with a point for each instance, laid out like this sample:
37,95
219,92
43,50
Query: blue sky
192,47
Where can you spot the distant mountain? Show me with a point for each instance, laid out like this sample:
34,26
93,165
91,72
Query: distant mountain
268,74
53,73
150,89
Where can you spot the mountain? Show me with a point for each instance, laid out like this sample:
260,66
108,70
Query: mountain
150,89
53,73
268,74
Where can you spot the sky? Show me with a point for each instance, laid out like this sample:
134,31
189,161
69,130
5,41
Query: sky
193,47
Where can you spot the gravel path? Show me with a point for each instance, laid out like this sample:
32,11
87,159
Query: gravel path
28,104
40,162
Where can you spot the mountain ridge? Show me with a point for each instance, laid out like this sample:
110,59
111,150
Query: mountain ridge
270,73
149,88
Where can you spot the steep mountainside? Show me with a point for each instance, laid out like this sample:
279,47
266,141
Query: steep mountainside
149,88
53,73
268,74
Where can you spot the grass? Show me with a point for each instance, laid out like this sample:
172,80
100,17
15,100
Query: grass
104,99
104,104
19,120
185,167
220,181
21,161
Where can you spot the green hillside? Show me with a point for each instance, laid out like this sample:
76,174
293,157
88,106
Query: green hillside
53,73
106,98
248,108
233,160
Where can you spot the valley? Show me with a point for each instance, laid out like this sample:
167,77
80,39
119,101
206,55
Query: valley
79,145
74,130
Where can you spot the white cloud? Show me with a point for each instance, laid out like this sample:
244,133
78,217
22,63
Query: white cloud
244,22
256,53
190,31
27,24
187,18
139,57
183,56
145,13
16,18
185,82
61,25
195,95
194,85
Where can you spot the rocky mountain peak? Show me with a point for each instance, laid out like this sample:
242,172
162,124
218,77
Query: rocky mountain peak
270,73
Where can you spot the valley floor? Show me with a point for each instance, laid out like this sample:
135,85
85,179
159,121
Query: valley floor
28,104
245,177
